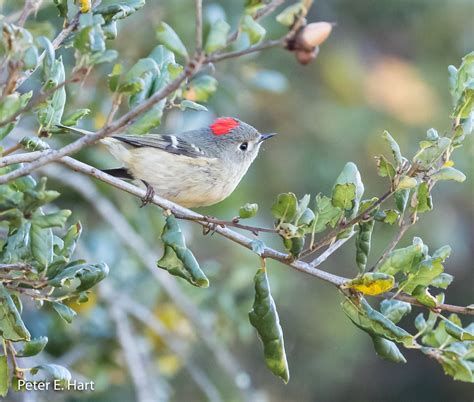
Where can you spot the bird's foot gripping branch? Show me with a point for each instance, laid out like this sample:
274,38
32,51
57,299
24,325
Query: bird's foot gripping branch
36,249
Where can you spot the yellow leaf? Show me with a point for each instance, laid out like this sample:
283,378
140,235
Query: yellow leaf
371,283
85,6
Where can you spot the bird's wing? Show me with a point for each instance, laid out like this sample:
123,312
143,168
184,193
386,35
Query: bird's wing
168,143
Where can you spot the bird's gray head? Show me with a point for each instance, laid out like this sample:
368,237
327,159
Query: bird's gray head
233,140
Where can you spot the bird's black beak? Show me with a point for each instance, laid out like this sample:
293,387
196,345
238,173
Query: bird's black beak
264,137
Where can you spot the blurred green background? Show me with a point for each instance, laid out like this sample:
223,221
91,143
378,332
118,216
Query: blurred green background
384,67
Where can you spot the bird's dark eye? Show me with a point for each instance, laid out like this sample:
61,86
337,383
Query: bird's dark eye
244,146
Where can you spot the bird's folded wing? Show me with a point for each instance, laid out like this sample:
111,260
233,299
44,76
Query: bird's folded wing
168,143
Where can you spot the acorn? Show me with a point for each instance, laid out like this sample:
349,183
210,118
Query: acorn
313,35
305,56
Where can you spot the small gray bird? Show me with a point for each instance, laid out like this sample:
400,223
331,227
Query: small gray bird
195,168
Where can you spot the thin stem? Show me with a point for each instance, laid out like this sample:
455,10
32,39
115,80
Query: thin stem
254,229
213,58
238,238
198,32
333,233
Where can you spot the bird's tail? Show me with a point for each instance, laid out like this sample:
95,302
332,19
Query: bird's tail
116,148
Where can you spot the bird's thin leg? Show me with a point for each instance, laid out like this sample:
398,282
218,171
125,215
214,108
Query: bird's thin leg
150,193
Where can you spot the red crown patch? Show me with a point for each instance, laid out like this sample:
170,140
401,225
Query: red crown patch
223,125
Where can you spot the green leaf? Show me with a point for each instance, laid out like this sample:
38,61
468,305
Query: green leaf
431,152
120,10
9,105
422,200
168,37
73,118
442,281
55,219
285,207
264,317
217,37
187,104
55,371
11,324
422,274
458,332
114,77
253,29
248,211
420,323
34,144
51,111
140,74
422,294
4,376
371,283
80,277
201,88
397,155
251,6
373,322
327,215
387,350
148,120
385,168
41,245
452,364
401,199
449,173
62,7
394,310
462,88
289,15
362,242
177,259
294,245
342,195
65,312
33,347
402,259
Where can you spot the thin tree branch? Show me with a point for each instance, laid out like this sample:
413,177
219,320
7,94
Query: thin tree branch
198,32
238,238
213,58
134,363
146,317
330,250
269,8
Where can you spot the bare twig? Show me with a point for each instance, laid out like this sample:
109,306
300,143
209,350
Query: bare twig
134,363
146,317
238,238
254,229
30,7
213,58
198,32
268,9
330,250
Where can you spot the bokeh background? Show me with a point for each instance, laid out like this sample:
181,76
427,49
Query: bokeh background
384,67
